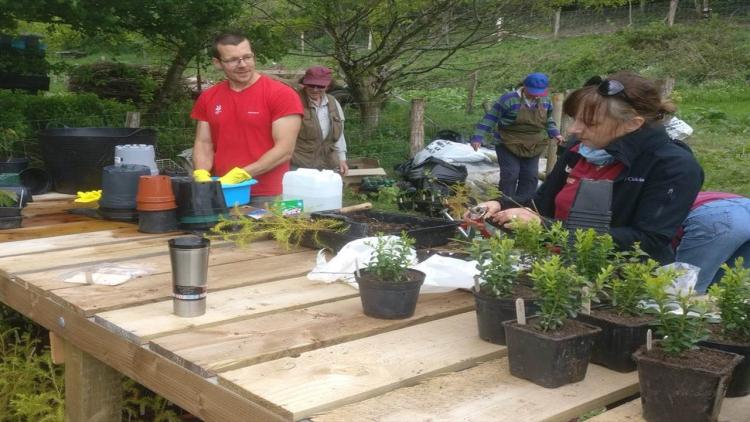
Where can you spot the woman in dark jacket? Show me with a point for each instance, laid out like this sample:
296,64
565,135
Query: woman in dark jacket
621,138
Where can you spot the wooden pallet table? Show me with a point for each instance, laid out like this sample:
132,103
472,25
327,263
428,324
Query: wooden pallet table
732,410
272,344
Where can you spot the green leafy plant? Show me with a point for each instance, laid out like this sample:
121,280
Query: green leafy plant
559,242
497,264
391,258
628,291
592,252
559,289
287,231
529,240
8,199
732,296
680,317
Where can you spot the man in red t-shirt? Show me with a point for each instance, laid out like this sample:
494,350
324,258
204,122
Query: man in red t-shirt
249,121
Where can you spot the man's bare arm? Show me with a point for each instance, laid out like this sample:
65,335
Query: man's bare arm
284,132
203,149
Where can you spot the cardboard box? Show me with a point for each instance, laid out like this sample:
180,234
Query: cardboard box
361,167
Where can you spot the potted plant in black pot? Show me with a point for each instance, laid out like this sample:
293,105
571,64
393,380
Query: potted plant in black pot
551,349
10,209
497,286
623,319
388,288
679,381
732,297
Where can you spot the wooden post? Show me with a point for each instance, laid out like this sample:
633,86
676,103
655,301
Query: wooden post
558,11
471,92
133,119
302,42
93,390
667,87
557,102
672,12
417,126
56,348
630,12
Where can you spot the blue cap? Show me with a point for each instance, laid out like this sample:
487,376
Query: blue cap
536,84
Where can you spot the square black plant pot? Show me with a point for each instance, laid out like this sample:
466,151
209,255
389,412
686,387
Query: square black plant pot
739,384
682,392
493,311
546,360
613,348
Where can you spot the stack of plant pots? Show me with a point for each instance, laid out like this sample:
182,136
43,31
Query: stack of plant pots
155,202
119,188
200,205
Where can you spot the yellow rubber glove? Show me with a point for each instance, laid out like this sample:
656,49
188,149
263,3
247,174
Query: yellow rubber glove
234,176
90,196
201,175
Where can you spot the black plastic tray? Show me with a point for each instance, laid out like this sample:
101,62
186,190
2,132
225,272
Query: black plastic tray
427,232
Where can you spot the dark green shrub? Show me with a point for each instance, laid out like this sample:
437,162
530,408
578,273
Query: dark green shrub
117,81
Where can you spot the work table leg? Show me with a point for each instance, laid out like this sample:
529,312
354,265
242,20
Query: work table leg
93,390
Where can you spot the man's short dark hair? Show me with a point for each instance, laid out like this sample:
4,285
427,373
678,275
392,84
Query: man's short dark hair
226,38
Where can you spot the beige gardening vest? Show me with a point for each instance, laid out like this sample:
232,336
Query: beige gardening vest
527,136
312,151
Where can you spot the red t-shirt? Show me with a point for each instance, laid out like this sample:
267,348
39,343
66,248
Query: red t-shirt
582,170
241,126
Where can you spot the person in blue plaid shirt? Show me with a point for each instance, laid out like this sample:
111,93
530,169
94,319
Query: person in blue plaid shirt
521,122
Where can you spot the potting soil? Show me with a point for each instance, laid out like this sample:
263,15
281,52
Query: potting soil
623,319
704,359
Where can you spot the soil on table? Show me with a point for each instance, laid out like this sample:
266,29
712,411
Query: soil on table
705,359
376,226
611,315
716,334
569,328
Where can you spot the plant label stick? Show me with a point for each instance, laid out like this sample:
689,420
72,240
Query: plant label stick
356,266
649,340
586,302
520,312
476,284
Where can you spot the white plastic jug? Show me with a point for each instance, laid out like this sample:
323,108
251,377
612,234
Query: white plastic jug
319,190
137,154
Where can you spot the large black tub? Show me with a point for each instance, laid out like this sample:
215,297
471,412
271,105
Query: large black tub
75,157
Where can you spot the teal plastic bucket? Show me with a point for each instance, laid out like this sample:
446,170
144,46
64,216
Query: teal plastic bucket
237,194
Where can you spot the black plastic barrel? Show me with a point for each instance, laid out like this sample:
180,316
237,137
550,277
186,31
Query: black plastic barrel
75,157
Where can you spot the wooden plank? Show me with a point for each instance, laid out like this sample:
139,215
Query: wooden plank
199,396
489,393
92,299
330,377
732,410
56,348
67,258
231,346
32,246
158,264
142,323
93,390
61,229
54,196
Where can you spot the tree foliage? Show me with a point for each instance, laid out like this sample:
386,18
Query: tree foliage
402,34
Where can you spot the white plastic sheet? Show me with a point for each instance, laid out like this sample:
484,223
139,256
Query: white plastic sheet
441,273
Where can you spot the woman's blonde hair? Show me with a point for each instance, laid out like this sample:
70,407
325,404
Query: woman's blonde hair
639,97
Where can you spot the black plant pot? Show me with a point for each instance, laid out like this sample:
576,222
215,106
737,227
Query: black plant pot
545,360
36,180
389,300
10,217
157,221
681,393
13,165
614,346
739,384
200,205
493,311
120,185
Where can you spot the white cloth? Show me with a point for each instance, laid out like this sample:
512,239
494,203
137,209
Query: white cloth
441,273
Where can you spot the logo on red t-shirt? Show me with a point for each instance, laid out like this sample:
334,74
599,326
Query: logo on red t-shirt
217,110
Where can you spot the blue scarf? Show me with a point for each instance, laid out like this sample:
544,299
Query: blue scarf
597,157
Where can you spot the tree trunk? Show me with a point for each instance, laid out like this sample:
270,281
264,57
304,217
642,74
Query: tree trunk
171,82
370,114
643,6
630,13
672,12
557,22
